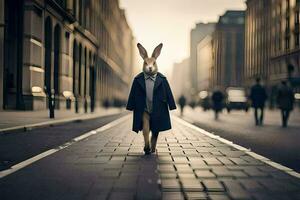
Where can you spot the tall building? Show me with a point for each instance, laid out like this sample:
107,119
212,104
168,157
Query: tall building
197,34
204,63
228,50
285,42
257,40
272,41
180,80
80,50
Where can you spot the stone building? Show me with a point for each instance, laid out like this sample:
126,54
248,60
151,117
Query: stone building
80,50
204,63
180,80
197,34
228,51
284,42
272,41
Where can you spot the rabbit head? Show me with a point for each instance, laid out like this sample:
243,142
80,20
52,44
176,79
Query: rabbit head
149,65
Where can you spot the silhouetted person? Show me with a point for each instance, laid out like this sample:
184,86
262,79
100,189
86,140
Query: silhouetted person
182,103
285,101
217,99
106,103
258,97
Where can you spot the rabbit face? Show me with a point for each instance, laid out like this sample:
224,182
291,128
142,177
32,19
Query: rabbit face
150,66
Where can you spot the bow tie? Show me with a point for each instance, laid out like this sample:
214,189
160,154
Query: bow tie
150,76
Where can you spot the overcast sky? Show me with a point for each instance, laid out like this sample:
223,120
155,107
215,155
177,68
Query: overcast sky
170,22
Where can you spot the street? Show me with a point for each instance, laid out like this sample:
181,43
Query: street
190,164
270,140
18,146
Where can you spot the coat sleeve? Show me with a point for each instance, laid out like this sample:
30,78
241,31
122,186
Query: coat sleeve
170,98
131,102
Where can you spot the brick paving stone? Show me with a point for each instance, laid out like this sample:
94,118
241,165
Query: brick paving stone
170,185
196,195
172,196
165,159
213,186
186,175
201,165
180,159
218,197
235,190
225,161
165,175
166,168
212,161
239,174
191,184
204,174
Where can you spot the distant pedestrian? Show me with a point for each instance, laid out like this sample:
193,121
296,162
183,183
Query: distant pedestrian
182,103
258,97
217,100
285,101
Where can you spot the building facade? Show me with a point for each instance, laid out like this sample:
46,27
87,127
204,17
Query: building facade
228,51
197,34
78,50
272,42
257,41
285,42
204,63
180,80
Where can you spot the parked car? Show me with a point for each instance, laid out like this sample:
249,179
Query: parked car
236,99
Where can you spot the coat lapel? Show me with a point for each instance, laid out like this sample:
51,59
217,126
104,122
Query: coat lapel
158,81
141,81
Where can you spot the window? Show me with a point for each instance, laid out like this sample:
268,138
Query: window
240,20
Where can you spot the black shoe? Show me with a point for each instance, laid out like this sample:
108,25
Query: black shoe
153,151
147,150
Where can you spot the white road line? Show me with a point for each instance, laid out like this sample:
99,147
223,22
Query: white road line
67,144
247,151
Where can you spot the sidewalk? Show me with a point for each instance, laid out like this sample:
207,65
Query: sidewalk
12,120
190,164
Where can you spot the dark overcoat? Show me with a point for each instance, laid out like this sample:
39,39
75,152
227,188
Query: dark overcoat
285,98
258,96
163,100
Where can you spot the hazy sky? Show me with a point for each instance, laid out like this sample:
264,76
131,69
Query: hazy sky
170,22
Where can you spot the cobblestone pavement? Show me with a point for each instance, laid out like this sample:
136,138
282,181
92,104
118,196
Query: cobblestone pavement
188,165
269,140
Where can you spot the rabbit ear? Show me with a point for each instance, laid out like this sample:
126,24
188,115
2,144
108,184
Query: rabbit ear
142,51
156,51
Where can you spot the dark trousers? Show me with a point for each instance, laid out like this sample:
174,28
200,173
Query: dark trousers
181,110
285,117
259,115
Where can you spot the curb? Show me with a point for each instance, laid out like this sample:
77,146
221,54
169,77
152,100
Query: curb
29,127
238,147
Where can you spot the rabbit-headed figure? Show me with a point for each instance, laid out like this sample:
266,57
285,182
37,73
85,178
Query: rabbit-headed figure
150,99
